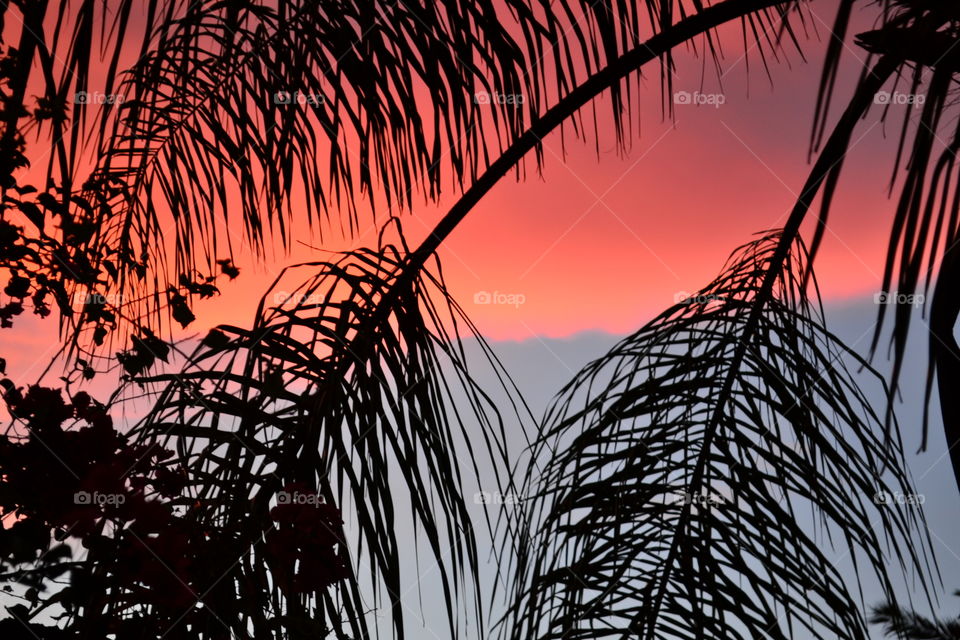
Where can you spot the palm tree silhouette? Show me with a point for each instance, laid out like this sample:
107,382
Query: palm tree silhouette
358,387
899,622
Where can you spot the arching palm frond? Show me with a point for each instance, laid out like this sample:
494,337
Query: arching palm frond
671,478
924,38
246,112
379,414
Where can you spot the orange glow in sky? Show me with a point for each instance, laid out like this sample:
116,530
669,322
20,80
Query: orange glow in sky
606,242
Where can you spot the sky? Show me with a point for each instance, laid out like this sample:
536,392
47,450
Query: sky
604,240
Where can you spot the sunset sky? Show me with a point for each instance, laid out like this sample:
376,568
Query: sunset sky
605,242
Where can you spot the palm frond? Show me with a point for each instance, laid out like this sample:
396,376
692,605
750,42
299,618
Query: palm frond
374,411
668,482
924,40
67,61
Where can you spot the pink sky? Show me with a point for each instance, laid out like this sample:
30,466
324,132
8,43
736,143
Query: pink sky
605,243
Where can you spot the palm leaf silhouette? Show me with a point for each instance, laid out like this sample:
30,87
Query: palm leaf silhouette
668,479
923,40
373,411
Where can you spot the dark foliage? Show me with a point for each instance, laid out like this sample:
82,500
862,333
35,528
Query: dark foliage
668,479
899,622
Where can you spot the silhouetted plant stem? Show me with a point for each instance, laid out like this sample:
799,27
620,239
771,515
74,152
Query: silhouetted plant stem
631,61
657,46
604,79
833,152
944,350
